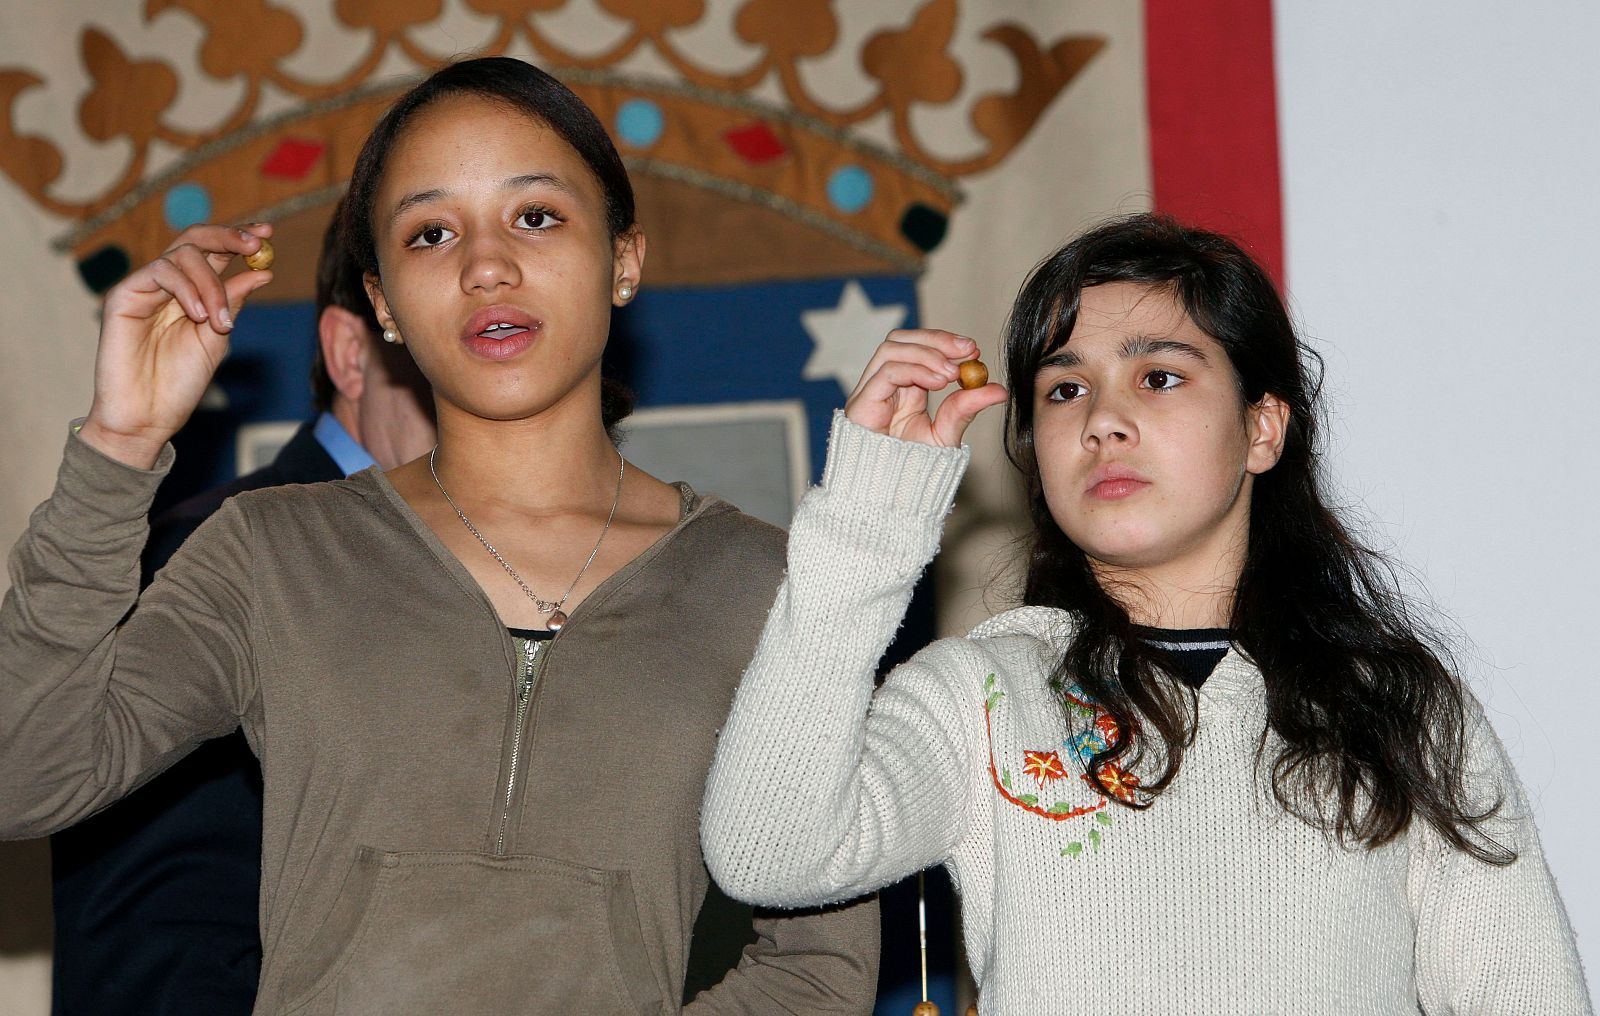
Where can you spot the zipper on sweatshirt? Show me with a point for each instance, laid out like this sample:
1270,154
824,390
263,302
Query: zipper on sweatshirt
529,667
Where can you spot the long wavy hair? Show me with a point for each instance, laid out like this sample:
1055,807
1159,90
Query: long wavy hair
1369,714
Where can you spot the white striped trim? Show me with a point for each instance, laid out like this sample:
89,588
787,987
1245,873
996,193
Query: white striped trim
1180,646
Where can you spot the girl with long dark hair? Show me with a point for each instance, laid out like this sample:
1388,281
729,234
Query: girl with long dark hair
485,686
1217,763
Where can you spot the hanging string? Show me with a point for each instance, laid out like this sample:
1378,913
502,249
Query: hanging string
922,930
924,1007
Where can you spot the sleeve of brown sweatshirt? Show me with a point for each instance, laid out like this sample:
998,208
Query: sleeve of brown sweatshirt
802,962
100,688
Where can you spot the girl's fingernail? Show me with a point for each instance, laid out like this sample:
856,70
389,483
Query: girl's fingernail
224,318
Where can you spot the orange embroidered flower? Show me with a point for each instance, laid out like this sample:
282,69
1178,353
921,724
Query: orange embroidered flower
1043,766
1107,725
1118,781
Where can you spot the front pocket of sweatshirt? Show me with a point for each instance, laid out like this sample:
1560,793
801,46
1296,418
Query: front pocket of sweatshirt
468,933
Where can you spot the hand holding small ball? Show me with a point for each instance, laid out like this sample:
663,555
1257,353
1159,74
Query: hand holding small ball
910,368
261,260
163,331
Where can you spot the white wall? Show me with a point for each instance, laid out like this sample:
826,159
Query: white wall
1442,193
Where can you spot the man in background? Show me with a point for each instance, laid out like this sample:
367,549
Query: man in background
156,898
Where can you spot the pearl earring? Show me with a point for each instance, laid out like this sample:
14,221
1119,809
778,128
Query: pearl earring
391,336
624,292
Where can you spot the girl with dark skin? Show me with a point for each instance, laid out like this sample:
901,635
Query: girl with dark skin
439,685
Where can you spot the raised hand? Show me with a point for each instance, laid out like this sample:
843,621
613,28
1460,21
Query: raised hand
163,333
892,395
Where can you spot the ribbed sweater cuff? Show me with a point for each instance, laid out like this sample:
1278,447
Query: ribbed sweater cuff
905,476
98,488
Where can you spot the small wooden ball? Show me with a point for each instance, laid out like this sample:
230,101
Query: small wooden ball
261,260
925,1009
974,374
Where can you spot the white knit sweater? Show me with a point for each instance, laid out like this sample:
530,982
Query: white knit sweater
1213,900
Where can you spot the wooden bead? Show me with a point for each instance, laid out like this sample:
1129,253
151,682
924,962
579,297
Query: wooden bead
972,1010
261,260
925,1009
974,374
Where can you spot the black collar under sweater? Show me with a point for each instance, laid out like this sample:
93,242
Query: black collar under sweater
1193,652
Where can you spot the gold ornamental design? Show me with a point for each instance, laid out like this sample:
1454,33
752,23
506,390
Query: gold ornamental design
803,158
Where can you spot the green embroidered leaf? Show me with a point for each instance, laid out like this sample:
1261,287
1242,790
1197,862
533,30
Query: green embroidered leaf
993,698
1005,778
1102,818
1072,849
988,683
1094,838
1060,808
1029,799
1082,710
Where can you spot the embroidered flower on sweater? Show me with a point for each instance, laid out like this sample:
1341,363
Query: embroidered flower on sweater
1085,745
1117,780
1106,724
1044,766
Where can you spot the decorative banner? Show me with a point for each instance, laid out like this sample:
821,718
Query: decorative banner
798,160
793,191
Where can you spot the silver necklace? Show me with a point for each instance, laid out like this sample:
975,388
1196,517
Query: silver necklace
558,617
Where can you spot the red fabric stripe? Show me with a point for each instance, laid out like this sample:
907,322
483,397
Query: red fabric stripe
1214,119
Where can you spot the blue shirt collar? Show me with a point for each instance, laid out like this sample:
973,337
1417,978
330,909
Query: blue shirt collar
345,450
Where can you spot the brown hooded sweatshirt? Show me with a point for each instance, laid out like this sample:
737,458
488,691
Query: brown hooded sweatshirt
448,829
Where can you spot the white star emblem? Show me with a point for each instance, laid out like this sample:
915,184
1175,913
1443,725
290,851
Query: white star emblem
846,335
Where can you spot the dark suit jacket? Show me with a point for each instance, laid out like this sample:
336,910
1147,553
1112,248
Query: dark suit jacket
156,897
